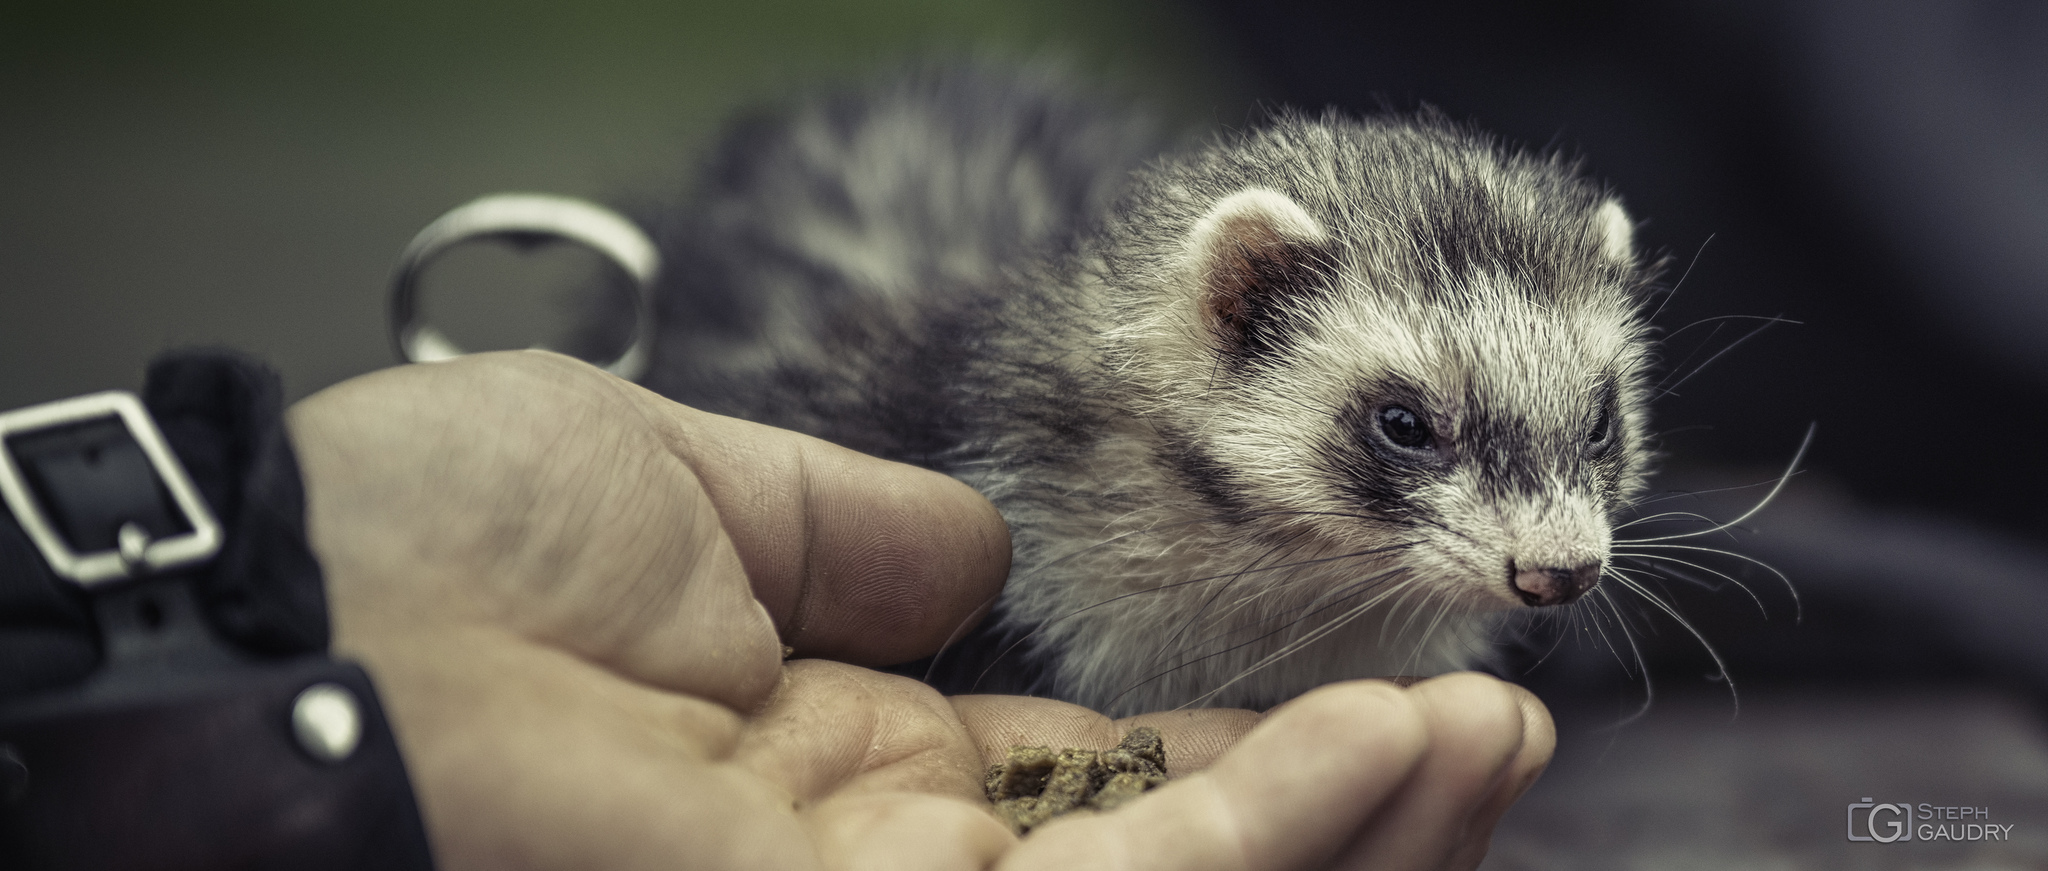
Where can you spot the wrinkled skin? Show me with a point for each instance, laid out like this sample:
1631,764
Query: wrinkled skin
573,594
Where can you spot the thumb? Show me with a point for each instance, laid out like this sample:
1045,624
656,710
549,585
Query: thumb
857,559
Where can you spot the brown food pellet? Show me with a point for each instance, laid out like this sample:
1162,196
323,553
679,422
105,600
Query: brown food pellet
1035,784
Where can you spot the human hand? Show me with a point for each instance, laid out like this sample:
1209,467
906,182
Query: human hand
573,593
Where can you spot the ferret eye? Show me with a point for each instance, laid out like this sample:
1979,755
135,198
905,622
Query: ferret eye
1603,428
1403,427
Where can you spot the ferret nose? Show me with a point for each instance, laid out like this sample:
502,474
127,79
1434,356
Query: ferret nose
1541,587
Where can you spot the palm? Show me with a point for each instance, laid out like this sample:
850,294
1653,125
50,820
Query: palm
574,595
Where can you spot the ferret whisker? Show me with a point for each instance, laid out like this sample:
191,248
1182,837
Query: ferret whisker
1114,539
1169,527
1012,646
1646,542
1691,565
1767,324
1412,662
1682,364
1571,618
1620,625
1661,605
1798,607
1281,584
1687,494
1374,551
1427,594
1768,319
1398,607
1777,488
1267,629
1036,631
1673,291
1438,524
1327,600
1681,494
1658,545
1671,573
1667,515
1642,666
1631,666
1359,587
1196,615
1298,644
1444,604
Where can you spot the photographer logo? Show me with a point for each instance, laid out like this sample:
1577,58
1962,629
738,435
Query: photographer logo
1891,822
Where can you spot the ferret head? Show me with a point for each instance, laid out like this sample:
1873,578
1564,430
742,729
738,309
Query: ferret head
1392,337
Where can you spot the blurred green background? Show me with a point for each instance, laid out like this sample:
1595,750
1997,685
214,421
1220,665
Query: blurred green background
244,173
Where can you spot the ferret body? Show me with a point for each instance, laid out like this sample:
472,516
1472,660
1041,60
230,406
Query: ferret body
1321,400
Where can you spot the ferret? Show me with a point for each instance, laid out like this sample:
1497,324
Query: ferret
1327,398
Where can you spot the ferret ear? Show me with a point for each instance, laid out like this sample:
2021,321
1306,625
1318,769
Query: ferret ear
1252,251
1617,232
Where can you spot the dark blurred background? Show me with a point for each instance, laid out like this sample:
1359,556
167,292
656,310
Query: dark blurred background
246,172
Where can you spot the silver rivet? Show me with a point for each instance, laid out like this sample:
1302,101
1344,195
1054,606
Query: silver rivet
132,541
327,721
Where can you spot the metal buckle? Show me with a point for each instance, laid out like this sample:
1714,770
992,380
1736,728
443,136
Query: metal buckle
589,224
136,553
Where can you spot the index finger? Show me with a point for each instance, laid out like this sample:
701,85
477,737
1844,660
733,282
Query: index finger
1288,796
858,559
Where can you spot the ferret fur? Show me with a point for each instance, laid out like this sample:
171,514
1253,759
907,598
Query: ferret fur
1169,372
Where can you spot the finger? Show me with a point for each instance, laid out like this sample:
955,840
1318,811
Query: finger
905,832
1288,796
1192,739
1476,732
1539,741
858,559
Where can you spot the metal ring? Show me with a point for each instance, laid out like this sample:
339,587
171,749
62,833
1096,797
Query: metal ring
591,225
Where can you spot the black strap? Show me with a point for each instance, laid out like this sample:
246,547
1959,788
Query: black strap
165,697
223,416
